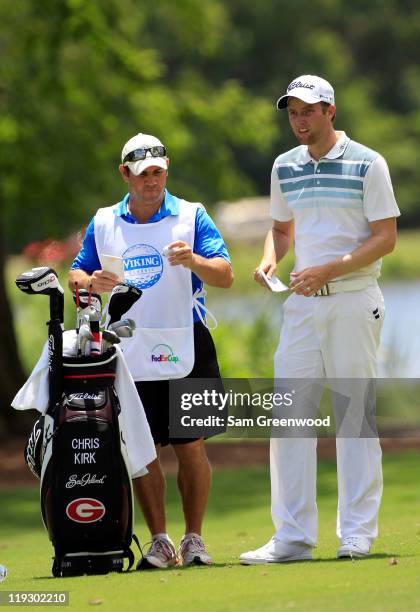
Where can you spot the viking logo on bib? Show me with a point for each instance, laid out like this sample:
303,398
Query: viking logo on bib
143,266
163,352
85,510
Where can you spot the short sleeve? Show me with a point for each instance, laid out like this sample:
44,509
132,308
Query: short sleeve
208,241
279,211
87,258
378,195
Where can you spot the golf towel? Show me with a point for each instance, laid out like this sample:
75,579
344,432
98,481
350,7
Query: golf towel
140,446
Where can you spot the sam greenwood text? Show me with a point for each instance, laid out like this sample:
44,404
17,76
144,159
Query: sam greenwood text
259,421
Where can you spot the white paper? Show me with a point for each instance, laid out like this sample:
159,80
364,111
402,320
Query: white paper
111,263
274,284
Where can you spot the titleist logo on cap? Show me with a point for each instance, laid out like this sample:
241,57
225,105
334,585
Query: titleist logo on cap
300,84
309,88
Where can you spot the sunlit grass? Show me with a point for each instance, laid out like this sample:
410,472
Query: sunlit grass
238,519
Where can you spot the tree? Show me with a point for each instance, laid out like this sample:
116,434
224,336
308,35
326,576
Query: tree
12,375
83,77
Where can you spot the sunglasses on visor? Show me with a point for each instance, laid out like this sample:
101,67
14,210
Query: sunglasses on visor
139,154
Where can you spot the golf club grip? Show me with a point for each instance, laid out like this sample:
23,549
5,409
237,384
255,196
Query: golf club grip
57,307
61,308
55,360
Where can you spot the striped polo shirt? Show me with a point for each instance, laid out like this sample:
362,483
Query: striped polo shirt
332,200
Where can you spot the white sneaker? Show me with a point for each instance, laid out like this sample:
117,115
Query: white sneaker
193,551
277,552
161,554
353,547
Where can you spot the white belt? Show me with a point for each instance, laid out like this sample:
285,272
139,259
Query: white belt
344,285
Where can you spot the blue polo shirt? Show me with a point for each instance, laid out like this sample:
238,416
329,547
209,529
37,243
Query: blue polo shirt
208,241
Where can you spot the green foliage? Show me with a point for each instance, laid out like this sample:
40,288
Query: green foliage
82,77
86,77
245,349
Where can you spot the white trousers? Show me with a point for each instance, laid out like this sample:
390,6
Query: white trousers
333,337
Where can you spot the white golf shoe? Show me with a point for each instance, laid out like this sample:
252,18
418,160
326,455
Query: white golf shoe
277,552
353,547
193,551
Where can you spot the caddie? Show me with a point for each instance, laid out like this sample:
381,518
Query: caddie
333,197
169,248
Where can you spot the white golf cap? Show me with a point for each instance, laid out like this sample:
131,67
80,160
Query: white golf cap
310,89
144,141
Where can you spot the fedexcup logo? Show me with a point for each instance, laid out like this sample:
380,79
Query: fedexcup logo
143,265
85,510
163,352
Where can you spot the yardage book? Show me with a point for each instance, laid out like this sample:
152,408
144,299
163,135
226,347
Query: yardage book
274,284
113,264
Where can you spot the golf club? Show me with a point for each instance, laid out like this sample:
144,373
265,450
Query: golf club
123,322
122,298
89,304
44,281
108,339
123,328
85,335
84,298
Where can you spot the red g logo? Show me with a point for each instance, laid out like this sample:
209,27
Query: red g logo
85,510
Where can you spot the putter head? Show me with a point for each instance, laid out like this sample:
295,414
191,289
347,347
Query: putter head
41,280
122,298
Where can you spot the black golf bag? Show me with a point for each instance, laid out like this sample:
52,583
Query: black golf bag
79,452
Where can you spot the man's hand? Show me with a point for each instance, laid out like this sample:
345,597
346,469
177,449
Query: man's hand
308,281
276,245
180,253
266,266
101,281
214,271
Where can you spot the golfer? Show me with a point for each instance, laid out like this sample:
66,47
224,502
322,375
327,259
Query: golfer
333,197
169,247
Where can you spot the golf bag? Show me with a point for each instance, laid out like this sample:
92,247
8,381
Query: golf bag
79,452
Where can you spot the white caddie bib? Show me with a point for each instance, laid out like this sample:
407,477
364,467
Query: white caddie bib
163,343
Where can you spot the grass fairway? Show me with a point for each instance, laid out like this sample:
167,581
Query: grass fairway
237,520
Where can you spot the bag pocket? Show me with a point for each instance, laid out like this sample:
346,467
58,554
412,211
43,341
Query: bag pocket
160,354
